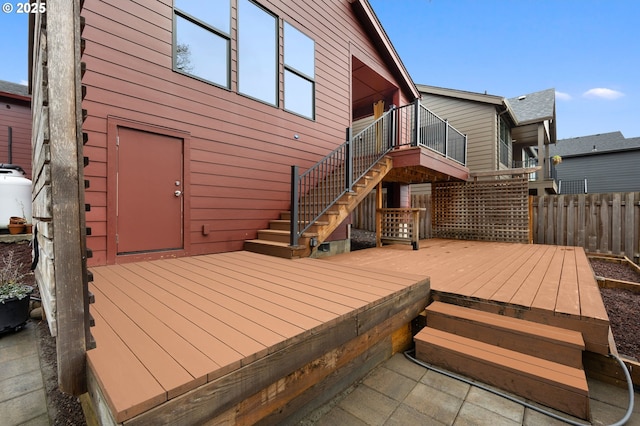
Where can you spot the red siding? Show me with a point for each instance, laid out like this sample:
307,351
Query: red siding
17,115
241,149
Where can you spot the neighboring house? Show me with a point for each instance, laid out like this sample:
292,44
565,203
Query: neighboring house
501,133
606,162
15,125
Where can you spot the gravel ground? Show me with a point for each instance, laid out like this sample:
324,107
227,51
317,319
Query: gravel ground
622,306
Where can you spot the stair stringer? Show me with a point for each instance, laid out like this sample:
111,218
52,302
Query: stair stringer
325,225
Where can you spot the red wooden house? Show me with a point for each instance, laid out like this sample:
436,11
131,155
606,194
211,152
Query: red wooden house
15,125
195,117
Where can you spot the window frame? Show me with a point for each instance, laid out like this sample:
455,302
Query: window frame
177,12
299,74
276,53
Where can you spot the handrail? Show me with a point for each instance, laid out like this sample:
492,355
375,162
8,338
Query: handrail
317,189
432,132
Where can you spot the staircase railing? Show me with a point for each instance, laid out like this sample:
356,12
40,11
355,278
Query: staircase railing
317,189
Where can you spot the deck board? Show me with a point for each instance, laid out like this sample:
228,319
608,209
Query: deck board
549,284
168,328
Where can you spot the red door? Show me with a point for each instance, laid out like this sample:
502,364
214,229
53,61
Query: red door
149,192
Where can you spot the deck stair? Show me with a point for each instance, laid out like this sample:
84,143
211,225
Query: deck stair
275,240
535,361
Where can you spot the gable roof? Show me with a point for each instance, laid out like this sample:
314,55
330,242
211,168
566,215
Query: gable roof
372,25
461,94
534,107
14,90
592,144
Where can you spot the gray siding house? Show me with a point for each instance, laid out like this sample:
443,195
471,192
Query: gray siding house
501,133
606,162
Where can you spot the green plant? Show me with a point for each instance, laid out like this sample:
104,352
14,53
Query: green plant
11,280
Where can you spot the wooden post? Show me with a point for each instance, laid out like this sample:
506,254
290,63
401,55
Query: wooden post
379,215
67,202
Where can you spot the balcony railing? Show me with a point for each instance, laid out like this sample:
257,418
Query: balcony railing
431,132
314,191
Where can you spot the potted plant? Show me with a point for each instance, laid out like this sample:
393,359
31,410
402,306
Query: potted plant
14,295
556,160
17,224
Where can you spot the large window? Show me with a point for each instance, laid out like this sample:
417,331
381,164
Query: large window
257,52
202,39
299,74
203,44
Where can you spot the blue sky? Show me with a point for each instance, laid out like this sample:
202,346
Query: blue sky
588,50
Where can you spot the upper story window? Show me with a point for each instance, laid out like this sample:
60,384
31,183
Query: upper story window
505,143
257,52
201,45
299,72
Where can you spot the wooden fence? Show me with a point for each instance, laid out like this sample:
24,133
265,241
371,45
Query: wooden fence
485,210
601,223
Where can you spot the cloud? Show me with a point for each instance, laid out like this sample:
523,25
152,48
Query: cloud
602,93
563,96
24,82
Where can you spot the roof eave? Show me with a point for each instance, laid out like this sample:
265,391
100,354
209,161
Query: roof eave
461,94
372,25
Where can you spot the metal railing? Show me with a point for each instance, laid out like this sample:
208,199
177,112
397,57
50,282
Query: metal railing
572,186
431,132
317,189
529,162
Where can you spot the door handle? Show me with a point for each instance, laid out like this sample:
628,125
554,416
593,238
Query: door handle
177,193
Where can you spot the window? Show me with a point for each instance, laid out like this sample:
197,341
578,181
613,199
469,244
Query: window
202,48
257,52
505,142
299,72
202,39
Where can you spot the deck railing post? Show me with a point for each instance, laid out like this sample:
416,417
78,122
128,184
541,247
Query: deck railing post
416,123
348,168
392,127
446,138
294,207
464,158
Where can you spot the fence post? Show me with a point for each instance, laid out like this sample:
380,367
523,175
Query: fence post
293,226
348,163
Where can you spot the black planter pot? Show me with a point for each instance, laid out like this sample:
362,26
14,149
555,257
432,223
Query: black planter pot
14,313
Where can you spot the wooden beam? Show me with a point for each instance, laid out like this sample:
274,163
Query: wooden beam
66,207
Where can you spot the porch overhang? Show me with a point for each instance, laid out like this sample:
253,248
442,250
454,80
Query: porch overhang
422,165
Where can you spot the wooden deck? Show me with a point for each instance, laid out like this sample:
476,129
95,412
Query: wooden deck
542,283
193,339
185,340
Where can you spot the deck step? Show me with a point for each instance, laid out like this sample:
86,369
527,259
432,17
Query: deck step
552,384
274,248
540,340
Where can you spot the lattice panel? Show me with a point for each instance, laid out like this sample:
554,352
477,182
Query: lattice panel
491,210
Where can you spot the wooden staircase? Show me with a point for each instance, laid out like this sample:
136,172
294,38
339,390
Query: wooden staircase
274,241
535,361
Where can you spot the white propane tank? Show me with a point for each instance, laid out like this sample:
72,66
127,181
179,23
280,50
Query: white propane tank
15,194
